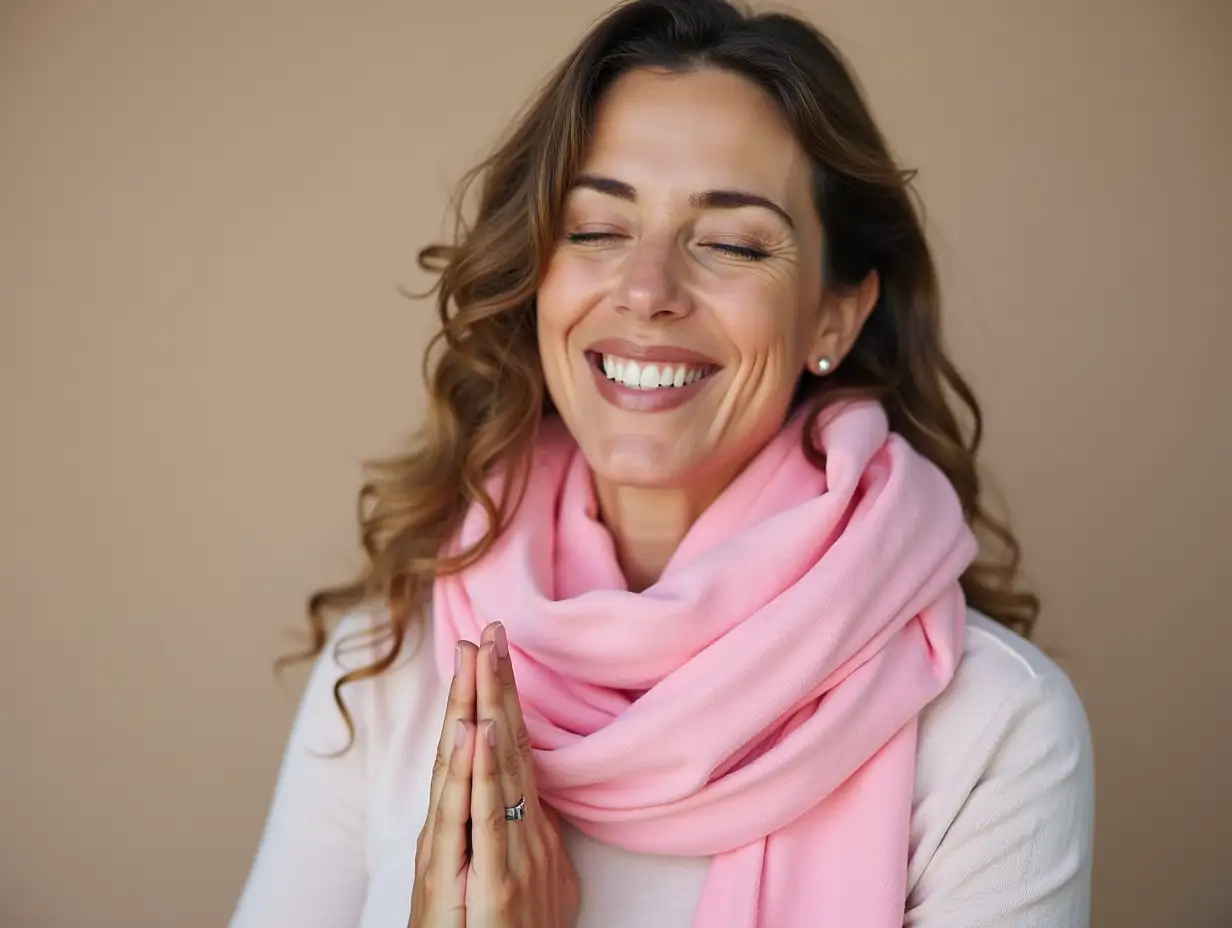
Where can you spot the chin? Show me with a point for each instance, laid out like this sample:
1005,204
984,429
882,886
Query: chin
641,462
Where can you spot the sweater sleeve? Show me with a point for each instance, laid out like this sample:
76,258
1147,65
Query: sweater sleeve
310,867
1018,851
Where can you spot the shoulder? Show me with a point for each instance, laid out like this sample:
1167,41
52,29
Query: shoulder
1003,684
1005,767
1006,697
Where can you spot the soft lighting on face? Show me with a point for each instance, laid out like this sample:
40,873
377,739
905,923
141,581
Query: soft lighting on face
677,313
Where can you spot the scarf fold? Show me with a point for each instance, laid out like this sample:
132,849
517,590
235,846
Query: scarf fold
759,703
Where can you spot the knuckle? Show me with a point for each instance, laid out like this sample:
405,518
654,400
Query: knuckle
510,755
458,704
551,841
449,813
494,821
432,890
504,895
439,763
458,767
521,742
447,810
540,859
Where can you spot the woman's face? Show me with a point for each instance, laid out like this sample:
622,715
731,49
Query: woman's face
684,298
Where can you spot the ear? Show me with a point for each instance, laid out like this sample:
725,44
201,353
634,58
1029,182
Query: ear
843,315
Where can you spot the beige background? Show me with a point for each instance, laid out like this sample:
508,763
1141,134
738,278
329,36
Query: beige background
204,211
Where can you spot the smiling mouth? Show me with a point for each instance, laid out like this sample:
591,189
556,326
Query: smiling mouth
648,375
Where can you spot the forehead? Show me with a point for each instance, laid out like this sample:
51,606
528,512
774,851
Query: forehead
699,130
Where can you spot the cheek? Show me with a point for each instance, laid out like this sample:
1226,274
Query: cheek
563,298
762,322
561,305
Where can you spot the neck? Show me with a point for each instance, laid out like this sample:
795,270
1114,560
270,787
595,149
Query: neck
647,526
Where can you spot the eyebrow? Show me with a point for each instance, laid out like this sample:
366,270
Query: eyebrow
709,199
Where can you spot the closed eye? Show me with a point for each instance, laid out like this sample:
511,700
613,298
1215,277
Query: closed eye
739,251
743,252
582,238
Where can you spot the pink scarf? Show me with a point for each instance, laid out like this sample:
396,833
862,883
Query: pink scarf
759,703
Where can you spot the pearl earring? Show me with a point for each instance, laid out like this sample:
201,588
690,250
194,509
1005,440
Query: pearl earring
824,365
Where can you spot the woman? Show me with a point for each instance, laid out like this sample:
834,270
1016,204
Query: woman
684,557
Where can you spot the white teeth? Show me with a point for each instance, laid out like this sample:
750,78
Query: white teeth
631,374
650,376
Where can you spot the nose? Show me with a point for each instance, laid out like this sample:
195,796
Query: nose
650,286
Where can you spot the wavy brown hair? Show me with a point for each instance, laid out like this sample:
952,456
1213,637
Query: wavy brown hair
483,373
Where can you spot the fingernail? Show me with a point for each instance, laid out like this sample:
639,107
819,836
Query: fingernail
495,658
502,640
459,733
457,658
490,734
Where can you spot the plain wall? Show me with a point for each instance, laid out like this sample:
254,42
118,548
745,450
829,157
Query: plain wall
205,210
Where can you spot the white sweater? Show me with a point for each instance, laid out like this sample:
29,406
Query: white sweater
1001,828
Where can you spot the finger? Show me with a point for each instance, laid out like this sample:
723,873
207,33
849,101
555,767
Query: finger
490,706
460,707
519,744
491,834
447,852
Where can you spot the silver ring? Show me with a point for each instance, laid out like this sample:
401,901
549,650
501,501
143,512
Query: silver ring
516,813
